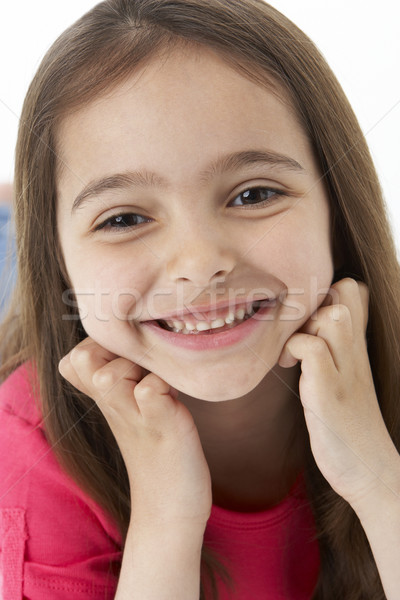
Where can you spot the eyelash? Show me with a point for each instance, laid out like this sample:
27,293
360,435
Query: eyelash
122,218
273,192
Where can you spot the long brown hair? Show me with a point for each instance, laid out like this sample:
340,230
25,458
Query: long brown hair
96,53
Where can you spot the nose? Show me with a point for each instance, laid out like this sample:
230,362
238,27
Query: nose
202,257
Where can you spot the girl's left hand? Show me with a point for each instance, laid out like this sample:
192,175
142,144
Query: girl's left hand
348,436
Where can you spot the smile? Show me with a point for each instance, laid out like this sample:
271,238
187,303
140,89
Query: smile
222,323
230,327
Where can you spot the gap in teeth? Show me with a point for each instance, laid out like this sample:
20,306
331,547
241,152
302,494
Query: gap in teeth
233,318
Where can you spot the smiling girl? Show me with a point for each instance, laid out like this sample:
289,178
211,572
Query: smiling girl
204,247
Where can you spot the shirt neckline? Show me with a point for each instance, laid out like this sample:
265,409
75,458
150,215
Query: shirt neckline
261,518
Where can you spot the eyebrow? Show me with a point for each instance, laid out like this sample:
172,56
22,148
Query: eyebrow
230,162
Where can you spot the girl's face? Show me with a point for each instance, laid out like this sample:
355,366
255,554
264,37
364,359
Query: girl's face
186,194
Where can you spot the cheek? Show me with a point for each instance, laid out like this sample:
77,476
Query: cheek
108,289
300,260
310,283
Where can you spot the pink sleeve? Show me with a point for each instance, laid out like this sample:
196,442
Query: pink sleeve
55,542
13,536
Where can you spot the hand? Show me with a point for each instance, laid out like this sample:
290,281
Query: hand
348,436
168,474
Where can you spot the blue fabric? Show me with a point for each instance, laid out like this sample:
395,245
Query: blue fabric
7,256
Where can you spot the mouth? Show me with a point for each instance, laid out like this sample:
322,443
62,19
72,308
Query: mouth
231,319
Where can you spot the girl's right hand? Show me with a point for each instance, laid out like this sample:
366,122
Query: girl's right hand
168,473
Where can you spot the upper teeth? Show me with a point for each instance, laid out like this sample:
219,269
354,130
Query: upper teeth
185,326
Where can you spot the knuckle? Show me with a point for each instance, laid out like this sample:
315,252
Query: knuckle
64,366
339,313
153,386
334,314
104,378
80,356
145,391
68,372
152,404
349,283
317,345
155,383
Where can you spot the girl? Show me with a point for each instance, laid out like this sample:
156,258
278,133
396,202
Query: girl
204,247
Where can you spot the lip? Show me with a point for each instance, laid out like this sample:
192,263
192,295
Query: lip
205,311
211,341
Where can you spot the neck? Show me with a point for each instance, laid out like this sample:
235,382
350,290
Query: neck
253,444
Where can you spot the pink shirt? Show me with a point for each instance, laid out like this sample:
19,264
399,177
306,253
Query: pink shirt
56,543
272,554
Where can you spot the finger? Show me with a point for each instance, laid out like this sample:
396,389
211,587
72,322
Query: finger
88,345
113,386
80,364
364,299
354,295
106,377
155,398
286,360
68,372
313,352
341,319
334,325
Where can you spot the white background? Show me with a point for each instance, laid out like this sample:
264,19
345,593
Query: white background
359,39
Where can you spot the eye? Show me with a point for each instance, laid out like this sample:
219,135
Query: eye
257,195
123,221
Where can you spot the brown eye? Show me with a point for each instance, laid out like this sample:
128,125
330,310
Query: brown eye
123,221
258,195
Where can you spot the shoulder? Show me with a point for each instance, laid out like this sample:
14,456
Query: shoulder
22,441
30,474
18,397
26,454
61,535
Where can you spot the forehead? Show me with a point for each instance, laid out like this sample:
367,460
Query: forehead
178,109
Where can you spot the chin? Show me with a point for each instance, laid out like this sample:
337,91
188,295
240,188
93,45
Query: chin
218,389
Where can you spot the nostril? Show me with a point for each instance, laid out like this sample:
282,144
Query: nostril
200,268
221,275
